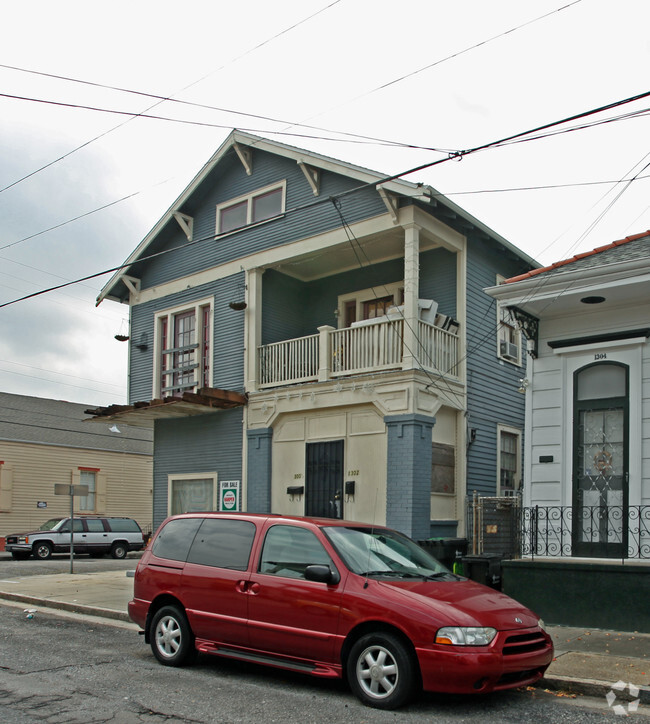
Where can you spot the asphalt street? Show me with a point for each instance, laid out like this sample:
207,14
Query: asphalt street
71,670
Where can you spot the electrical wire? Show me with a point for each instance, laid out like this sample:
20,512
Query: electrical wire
356,189
443,60
190,85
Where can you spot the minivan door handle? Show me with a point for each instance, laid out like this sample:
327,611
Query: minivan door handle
247,587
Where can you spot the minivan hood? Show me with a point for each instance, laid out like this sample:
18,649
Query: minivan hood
466,602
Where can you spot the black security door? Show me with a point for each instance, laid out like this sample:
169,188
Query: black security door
324,483
600,481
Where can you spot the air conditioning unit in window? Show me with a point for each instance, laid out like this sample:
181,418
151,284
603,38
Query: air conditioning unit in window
509,350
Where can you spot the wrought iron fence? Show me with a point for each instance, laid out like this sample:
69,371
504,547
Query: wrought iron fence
599,531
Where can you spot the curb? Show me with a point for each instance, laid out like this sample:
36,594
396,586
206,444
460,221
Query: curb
64,606
589,687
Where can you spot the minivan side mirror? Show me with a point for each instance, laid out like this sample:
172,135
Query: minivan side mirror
322,574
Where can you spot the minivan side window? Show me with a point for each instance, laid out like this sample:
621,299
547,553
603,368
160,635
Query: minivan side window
288,550
223,544
175,539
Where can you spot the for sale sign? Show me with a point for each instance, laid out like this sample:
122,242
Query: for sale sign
229,494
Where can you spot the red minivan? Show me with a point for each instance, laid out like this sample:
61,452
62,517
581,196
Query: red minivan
330,598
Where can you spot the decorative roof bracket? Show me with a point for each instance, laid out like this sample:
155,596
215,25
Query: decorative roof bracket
186,223
391,201
312,175
132,284
245,156
529,326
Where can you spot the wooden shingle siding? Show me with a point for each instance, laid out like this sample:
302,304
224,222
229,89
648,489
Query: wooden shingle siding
492,383
232,182
204,444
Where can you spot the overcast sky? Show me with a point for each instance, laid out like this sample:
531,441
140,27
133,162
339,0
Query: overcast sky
424,74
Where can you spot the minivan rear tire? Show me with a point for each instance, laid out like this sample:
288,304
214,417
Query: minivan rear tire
172,640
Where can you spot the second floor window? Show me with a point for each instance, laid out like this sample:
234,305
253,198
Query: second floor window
509,335
251,209
184,343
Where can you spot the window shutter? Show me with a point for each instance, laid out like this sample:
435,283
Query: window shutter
6,487
100,493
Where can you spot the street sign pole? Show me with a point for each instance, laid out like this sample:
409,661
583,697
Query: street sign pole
71,490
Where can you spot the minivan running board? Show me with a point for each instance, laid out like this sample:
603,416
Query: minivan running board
256,658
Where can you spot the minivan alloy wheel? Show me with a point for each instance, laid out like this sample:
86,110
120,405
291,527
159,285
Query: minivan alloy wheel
172,641
381,671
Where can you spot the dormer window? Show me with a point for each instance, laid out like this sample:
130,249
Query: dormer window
254,208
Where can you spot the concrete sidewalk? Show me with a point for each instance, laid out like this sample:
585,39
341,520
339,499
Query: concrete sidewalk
586,661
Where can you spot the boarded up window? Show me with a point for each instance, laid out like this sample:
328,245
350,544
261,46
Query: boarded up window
443,469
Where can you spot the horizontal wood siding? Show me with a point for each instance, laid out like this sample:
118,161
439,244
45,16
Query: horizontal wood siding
438,279
203,444
492,383
228,347
38,468
230,181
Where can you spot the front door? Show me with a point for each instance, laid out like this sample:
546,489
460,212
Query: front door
324,480
600,480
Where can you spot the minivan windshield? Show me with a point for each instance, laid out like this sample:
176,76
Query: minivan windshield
51,523
382,552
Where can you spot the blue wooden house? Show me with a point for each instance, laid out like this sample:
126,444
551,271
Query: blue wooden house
309,337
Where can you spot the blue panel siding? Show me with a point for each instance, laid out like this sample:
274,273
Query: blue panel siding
228,347
230,181
408,475
492,383
203,444
438,279
259,470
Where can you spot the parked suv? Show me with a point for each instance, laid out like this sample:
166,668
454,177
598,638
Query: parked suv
330,598
92,534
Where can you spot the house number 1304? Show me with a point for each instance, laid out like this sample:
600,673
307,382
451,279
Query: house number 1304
600,355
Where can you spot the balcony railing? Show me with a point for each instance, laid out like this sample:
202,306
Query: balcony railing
612,531
362,348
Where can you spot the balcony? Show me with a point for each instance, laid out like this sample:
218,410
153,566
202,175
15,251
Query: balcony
367,346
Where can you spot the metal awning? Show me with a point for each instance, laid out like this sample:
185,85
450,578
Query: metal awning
143,414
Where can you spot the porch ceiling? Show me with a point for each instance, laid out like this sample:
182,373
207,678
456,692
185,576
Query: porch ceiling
349,254
143,414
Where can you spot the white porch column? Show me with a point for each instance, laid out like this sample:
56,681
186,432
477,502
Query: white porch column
324,353
411,353
253,331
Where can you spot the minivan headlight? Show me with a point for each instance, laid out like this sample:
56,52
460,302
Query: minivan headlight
465,635
541,624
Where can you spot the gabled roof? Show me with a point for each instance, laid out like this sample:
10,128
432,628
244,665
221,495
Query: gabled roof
238,139
43,421
618,251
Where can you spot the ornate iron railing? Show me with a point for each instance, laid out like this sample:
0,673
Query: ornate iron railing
613,531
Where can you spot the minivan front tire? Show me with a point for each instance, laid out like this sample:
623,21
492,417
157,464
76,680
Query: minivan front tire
172,640
382,671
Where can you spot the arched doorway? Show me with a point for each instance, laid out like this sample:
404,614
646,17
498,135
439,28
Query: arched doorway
600,460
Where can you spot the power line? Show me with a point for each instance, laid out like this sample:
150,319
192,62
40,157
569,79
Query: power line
357,189
444,60
190,85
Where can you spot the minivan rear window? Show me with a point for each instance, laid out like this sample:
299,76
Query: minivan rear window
223,544
175,539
